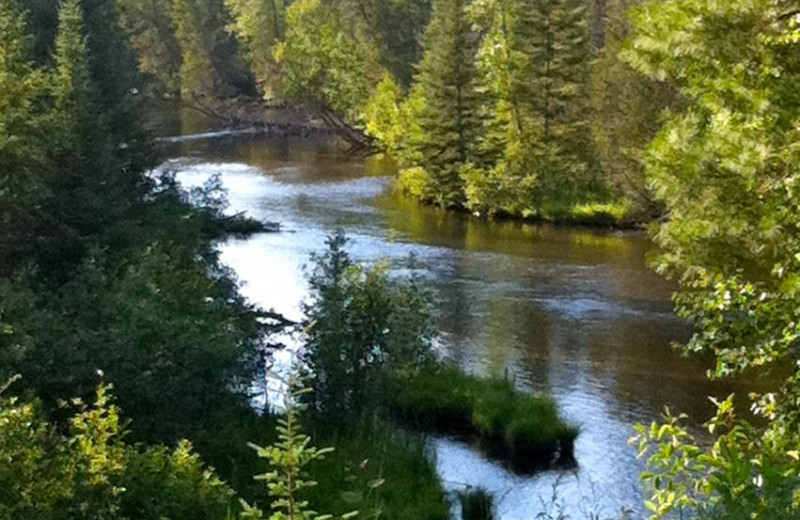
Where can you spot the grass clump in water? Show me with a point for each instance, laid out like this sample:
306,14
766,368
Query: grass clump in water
526,429
476,504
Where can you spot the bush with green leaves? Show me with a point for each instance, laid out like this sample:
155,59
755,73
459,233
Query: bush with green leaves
92,473
725,166
179,343
362,325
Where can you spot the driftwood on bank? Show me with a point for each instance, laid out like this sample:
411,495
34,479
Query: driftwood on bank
249,114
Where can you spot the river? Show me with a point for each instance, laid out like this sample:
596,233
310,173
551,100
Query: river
571,312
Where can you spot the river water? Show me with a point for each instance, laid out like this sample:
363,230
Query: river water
571,312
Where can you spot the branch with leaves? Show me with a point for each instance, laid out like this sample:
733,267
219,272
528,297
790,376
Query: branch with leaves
288,460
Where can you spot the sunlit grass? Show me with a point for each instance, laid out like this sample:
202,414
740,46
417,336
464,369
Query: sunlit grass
525,428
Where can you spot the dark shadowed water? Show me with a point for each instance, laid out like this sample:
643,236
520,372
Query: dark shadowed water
571,312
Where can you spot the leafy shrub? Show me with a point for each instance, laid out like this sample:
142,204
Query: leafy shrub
91,473
362,325
746,474
414,181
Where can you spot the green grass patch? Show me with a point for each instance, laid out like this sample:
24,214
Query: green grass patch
378,470
525,429
599,214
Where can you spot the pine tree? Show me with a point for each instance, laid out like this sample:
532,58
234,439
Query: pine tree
82,170
553,37
450,115
534,67
21,91
118,86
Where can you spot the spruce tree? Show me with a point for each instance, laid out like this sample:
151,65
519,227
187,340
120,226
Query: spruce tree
94,185
21,130
81,173
450,115
553,37
118,86
534,65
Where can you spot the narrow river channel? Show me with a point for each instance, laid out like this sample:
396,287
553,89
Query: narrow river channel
571,312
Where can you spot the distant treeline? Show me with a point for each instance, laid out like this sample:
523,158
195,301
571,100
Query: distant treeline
510,107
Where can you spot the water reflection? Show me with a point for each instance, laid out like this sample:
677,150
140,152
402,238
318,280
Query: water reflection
571,312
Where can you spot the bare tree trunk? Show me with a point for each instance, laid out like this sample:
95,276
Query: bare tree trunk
599,23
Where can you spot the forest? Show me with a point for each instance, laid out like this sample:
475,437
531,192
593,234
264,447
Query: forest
130,358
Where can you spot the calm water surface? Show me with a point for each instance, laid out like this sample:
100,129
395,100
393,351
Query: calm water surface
570,312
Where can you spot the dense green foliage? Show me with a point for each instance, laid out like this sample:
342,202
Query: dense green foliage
323,66
627,108
104,266
260,25
531,108
507,107
115,270
501,114
91,472
362,325
725,166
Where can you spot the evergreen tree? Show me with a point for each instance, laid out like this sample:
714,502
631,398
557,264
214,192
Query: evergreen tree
394,27
402,24
21,130
534,66
118,86
450,115
553,36
83,174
